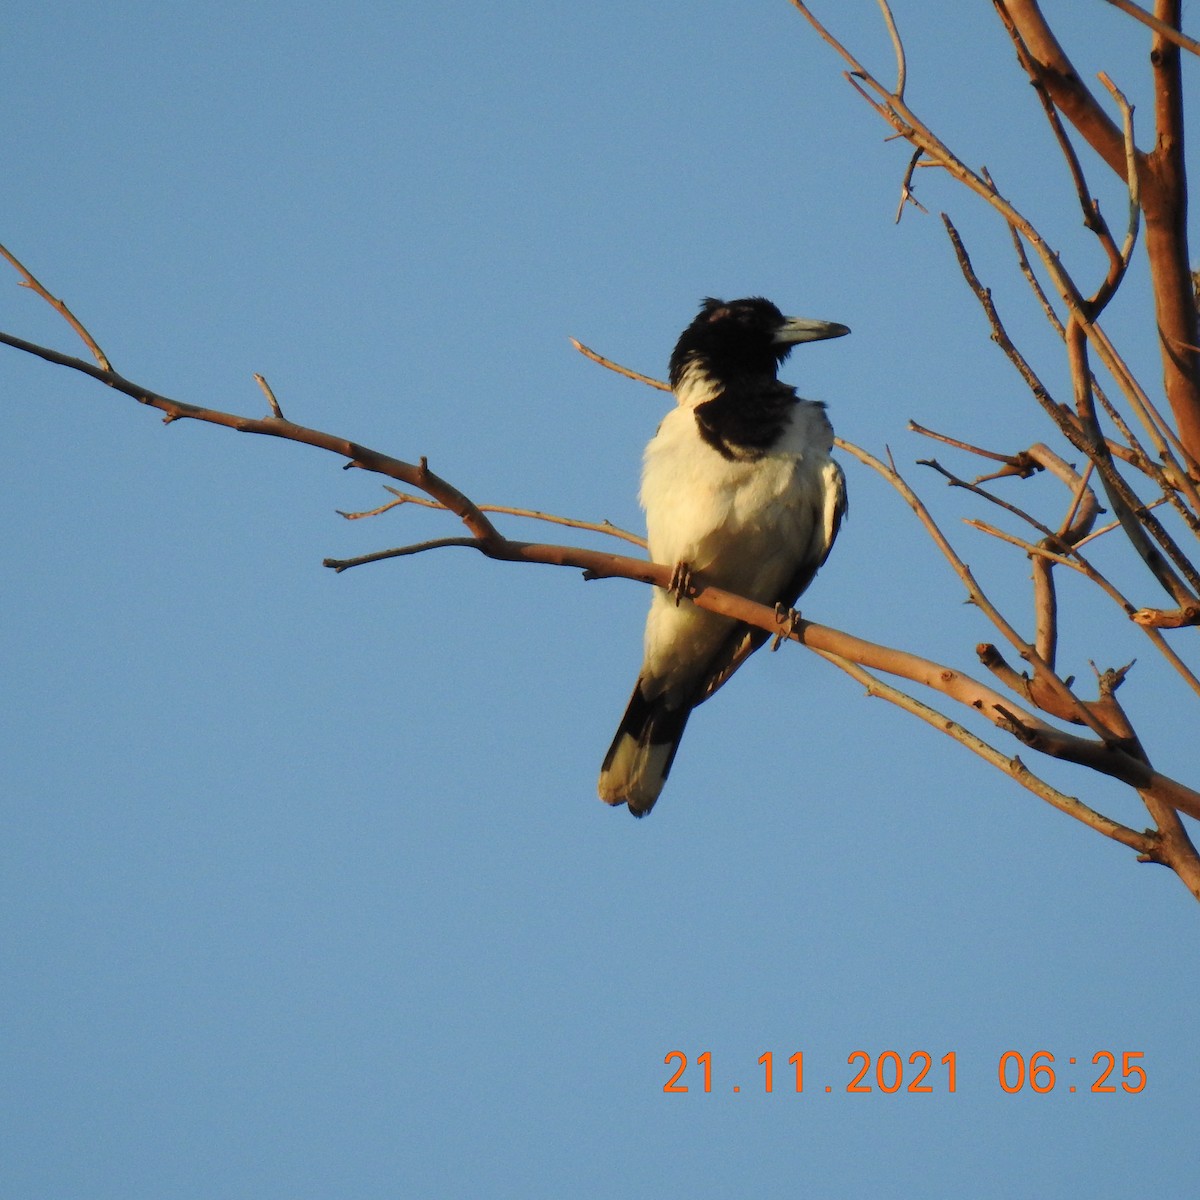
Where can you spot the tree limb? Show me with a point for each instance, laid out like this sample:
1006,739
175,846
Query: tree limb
1162,183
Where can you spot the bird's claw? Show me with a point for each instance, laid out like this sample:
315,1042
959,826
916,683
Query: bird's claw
789,619
681,582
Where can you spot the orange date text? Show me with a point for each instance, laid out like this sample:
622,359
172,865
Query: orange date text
889,1071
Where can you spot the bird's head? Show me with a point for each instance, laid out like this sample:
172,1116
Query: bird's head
750,336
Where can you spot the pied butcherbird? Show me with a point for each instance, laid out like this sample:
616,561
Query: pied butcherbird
739,487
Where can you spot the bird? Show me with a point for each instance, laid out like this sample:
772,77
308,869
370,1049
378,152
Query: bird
739,485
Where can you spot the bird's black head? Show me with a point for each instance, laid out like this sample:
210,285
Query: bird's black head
743,337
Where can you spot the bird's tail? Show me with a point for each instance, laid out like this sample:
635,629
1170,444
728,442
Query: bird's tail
636,765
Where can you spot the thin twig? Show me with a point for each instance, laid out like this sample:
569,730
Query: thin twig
1125,503
28,280
402,498
1133,183
1085,508
415,475
898,47
954,481
344,564
1093,218
620,370
907,195
1035,284
1013,461
1160,27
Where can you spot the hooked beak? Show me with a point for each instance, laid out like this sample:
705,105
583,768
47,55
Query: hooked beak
801,329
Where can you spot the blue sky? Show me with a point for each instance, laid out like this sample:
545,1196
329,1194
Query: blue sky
306,889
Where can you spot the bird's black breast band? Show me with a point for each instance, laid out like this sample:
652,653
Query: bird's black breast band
742,424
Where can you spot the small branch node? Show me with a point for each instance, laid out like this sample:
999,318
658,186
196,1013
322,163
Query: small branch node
1176,618
1109,680
276,411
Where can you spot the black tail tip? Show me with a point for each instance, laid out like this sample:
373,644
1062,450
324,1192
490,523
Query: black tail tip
638,810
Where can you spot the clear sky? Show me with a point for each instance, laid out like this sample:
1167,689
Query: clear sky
305,888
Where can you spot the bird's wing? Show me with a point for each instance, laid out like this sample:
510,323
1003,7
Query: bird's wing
743,640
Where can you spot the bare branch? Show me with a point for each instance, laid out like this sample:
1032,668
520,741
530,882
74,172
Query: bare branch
415,475
620,370
28,280
1163,192
1160,27
1046,58
402,498
974,488
1034,283
1093,219
1124,502
907,195
898,47
1156,618
1085,508
344,564
1053,695
1135,200
1078,563
1084,438
276,411
1016,463
1145,843
1170,476
1178,852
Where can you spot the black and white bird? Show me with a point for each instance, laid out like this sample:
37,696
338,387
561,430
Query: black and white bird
739,486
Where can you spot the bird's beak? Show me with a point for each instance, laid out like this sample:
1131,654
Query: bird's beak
801,329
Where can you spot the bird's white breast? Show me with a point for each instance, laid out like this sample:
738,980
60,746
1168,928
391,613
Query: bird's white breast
735,518
747,525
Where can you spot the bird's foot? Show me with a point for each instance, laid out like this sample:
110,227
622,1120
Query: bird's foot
681,582
789,619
